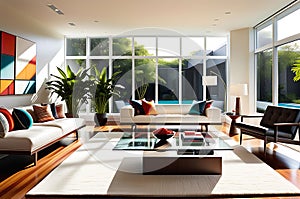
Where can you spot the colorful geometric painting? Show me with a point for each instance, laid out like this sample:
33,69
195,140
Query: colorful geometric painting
25,59
17,65
24,87
7,87
8,49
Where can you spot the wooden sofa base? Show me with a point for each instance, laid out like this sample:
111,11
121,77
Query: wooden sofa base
35,152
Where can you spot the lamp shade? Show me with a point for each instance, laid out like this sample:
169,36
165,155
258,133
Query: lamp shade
209,80
239,89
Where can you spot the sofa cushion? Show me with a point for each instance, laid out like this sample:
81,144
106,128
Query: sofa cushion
43,113
149,107
22,119
30,139
4,126
67,125
9,118
170,118
138,108
172,108
197,107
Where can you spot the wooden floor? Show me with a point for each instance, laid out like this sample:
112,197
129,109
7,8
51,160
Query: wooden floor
17,178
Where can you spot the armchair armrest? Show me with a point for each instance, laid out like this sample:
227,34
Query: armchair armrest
276,125
286,124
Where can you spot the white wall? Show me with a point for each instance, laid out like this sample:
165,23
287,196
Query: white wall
50,52
241,69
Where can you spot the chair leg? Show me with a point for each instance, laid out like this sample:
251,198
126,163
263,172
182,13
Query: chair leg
265,146
241,137
35,156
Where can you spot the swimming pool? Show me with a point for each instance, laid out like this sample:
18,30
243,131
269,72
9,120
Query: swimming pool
289,105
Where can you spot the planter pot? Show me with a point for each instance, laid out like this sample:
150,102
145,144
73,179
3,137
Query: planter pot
100,119
69,115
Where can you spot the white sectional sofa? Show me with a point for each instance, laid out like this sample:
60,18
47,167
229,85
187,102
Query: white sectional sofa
39,136
170,114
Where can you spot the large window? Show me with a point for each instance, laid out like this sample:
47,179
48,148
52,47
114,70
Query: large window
166,69
277,52
288,25
264,78
288,89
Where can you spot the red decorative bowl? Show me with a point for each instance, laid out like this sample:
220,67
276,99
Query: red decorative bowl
163,133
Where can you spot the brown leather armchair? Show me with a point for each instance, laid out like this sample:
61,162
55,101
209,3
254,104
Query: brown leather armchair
278,124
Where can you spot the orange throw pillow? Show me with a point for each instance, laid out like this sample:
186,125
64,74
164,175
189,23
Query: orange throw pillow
43,113
149,107
60,111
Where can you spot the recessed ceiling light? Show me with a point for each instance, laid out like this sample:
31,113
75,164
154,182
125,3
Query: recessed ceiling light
55,9
72,24
227,13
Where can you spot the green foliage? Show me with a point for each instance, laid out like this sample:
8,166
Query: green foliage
99,46
76,46
296,70
145,69
65,84
296,101
104,87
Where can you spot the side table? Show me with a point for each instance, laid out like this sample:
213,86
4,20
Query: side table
233,130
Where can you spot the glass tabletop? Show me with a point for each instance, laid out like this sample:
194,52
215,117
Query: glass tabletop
180,142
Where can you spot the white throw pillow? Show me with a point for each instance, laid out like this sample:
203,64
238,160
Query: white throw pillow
4,126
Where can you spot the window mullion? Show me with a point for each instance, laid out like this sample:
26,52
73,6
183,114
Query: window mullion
275,71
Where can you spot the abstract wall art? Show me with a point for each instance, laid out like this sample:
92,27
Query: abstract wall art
17,65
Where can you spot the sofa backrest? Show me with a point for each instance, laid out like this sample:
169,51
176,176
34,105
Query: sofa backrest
276,114
172,108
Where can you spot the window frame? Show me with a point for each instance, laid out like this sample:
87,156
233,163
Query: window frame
274,46
133,57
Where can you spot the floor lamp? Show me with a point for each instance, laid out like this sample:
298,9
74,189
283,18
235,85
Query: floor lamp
238,90
209,80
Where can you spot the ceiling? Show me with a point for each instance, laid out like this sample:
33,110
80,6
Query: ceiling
114,17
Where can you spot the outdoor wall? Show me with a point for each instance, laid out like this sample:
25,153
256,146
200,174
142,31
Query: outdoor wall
241,67
50,52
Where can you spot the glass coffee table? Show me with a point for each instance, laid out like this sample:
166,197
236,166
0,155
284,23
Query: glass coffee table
148,142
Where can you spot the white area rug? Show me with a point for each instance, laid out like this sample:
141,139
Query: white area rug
95,170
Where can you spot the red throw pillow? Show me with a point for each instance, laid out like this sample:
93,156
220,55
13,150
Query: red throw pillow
207,105
43,113
9,118
149,107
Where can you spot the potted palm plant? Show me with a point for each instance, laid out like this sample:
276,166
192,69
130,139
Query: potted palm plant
65,84
104,89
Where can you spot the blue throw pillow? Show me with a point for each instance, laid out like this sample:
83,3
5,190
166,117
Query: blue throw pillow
22,119
138,107
197,108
